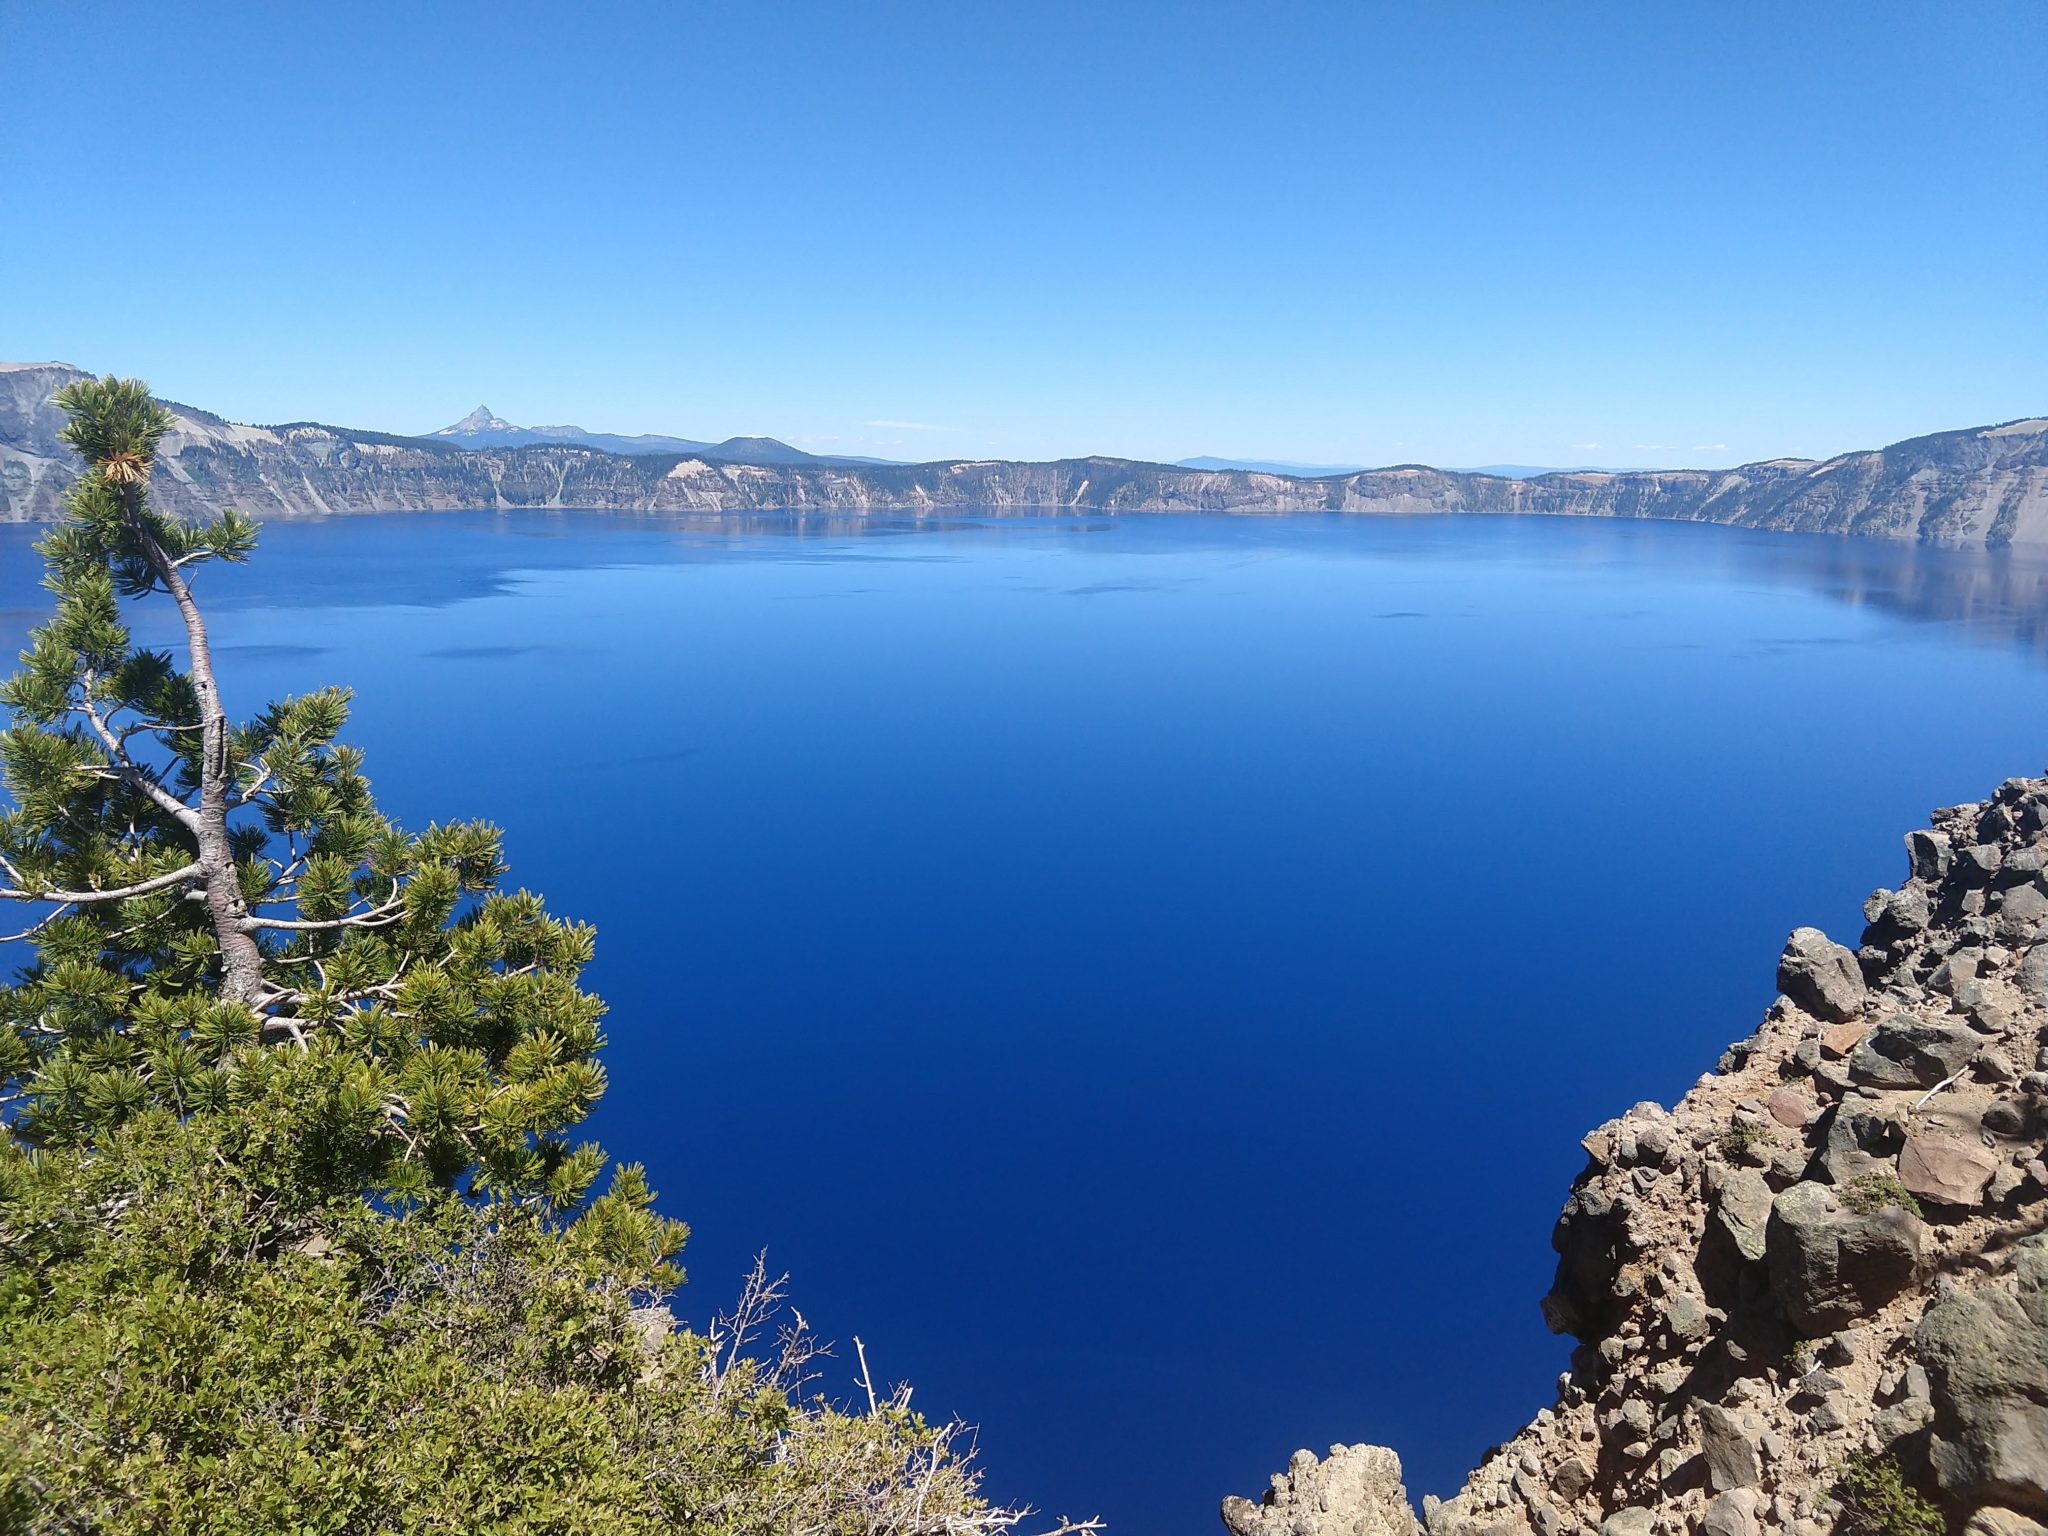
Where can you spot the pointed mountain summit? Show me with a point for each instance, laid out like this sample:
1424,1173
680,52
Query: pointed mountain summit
482,419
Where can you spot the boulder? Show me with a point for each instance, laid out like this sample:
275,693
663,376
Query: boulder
2032,973
1790,1108
1572,1478
1830,1266
1896,918
1732,1514
2021,913
1588,1238
1820,976
1986,1353
1743,1212
1355,1491
1992,1520
1686,1320
1731,1459
1975,865
1948,1170
1905,1052
1929,853
1860,1139
1635,1521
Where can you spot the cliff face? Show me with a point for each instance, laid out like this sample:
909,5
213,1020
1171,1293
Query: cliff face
1830,1250
1981,486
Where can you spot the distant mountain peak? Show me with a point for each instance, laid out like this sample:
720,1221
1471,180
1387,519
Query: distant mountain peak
482,419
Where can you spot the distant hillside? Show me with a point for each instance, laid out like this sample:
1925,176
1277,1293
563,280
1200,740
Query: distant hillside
1977,486
1269,466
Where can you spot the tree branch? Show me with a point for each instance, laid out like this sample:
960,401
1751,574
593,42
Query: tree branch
127,769
375,917
182,876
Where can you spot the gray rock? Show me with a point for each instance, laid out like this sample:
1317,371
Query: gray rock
1827,1416
2004,1118
1572,1478
1929,853
1846,1347
1731,1459
1993,1066
650,1327
1905,1052
2021,913
1685,1319
1860,1140
1991,1520
1830,1266
1628,1522
1820,976
1818,1383
2031,976
1590,1233
1986,1354
1356,1491
1893,1424
1977,864
1732,1514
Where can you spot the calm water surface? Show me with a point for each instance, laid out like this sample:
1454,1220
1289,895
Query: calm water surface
1149,976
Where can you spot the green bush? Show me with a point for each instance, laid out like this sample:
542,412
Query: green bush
1742,1140
1869,1193
1877,1500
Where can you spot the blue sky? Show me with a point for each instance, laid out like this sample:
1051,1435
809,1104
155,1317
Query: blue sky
1459,233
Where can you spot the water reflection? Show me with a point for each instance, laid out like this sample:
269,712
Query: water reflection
432,560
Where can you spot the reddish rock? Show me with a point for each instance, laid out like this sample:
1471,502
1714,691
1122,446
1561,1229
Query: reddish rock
1946,1169
1842,1039
1789,1108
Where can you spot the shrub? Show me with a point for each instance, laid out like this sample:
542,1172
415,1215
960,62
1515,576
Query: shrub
1743,1140
1869,1193
1877,1500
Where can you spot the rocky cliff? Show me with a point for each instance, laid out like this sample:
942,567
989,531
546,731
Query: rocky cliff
1812,1296
1982,486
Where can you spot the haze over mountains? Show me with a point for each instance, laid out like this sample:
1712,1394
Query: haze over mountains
482,428
1984,486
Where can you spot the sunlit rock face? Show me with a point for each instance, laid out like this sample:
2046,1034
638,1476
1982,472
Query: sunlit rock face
1831,1249
1977,487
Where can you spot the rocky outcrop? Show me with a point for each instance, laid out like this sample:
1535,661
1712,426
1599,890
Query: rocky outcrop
1355,1492
1981,486
1831,1248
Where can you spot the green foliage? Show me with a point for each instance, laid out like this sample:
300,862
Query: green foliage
1869,1193
323,1256
1743,1140
1877,1500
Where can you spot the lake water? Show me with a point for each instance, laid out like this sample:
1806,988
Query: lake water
1148,976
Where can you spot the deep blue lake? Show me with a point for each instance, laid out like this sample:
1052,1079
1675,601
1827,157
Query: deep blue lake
1148,976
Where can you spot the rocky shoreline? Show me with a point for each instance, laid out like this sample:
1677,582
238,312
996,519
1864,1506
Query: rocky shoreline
1827,1261
1980,487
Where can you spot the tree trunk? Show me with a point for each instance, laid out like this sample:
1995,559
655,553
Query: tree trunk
241,956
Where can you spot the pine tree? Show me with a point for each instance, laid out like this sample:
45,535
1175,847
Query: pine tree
292,1233
204,885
